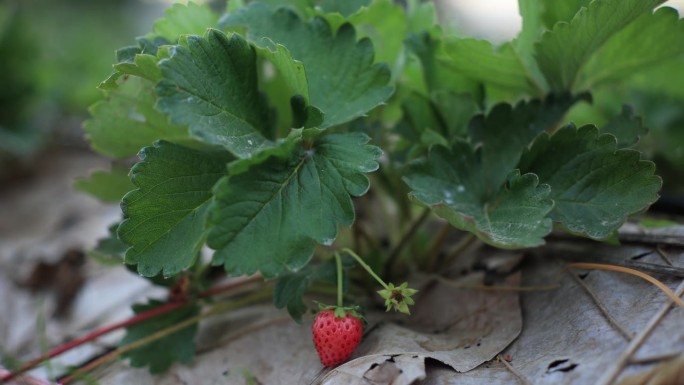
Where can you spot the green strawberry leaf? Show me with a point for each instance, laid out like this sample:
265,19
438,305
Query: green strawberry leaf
524,44
506,131
344,8
292,71
501,67
268,218
666,79
450,182
421,16
438,73
126,120
165,217
594,185
141,60
210,84
563,51
184,19
554,11
634,49
108,186
162,353
627,127
531,12
343,81
384,22
291,287
286,83
422,117
472,185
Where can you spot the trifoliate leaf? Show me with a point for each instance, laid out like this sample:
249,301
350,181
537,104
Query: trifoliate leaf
125,121
627,127
291,287
165,216
109,186
268,218
563,52
343,81
184,19
634,49
162,353
450,182
594,185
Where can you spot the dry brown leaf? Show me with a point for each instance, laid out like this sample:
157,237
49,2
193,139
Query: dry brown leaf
670,372
461,328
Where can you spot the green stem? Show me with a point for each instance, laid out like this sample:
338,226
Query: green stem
366,267
338,265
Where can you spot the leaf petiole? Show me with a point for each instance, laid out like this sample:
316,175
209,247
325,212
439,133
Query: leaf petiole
396,297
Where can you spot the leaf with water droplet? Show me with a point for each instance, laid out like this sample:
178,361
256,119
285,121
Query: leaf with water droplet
594,185
210,84
475,185
451,183
269,217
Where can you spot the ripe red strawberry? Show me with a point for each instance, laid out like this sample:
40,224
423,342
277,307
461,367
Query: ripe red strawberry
336,333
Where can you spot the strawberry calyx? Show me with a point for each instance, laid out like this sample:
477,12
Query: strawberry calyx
342,311
398,297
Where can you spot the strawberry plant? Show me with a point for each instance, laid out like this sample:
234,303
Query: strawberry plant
281,132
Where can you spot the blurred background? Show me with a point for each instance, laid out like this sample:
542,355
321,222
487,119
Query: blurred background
53,54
